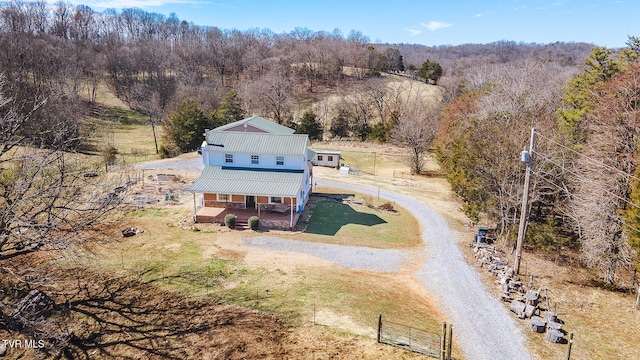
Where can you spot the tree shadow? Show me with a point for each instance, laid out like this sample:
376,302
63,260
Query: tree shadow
117,317
330,214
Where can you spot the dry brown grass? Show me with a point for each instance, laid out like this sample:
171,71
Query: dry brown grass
304,290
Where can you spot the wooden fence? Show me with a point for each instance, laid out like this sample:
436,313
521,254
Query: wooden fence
416,340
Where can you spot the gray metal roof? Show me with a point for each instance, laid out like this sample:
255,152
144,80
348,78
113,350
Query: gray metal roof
257,143
310,155
260,123
215,179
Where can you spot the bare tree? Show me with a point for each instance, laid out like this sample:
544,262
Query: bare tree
602,177
274,92
46,203
416,130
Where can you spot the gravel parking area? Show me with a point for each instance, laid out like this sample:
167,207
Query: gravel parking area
352,257
183,163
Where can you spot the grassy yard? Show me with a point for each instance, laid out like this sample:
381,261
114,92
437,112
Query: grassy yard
210,263
361,223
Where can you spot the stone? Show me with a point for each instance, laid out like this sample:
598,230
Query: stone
538,324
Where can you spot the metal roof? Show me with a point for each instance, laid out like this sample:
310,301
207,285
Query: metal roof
260,123
231,142
219,180
310,155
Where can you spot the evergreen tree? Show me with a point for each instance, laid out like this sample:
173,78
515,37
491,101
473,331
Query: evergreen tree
184,127
230,109
430,71
309,125
578,100
340,125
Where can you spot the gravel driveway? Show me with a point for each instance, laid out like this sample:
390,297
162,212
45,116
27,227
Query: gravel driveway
482,325
190,163
353,257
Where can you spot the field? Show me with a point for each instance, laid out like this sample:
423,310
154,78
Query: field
212,263
191,284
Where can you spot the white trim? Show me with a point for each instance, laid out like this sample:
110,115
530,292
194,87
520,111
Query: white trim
276,197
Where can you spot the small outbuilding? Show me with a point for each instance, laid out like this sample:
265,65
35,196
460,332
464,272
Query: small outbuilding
327,158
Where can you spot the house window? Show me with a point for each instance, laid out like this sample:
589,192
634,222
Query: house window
224,197
330,158
255,159
280,160
228,158
275,200
319,157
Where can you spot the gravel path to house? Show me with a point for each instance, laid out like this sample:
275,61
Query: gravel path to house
353,257
181,163
482,325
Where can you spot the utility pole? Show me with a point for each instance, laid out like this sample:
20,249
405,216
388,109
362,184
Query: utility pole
526,157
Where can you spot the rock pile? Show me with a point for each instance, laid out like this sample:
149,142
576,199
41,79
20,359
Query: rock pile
524,299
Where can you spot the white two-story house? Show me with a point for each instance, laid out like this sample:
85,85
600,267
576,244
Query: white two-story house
253,166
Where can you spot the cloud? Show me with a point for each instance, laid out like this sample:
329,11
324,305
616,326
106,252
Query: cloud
414,32
486,13
435,25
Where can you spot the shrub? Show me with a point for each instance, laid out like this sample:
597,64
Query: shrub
387,207
254,223
230,221
367,201
168,151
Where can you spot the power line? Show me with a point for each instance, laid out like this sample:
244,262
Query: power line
593,161
571,195
585,179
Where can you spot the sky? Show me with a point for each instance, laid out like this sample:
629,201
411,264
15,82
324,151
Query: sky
428,22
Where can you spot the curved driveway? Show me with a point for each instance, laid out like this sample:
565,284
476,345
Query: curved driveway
483,327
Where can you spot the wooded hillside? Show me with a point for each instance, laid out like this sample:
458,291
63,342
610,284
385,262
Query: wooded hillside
584,187
54,60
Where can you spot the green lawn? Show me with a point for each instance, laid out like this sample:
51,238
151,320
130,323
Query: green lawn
361,223
329,217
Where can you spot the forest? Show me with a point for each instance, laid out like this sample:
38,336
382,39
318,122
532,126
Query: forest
582,100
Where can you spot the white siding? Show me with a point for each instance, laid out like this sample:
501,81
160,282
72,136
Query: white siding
244,160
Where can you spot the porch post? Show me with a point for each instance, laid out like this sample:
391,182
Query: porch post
291,221
194,207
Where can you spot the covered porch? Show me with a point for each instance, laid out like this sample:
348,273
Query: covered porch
269,218
277,198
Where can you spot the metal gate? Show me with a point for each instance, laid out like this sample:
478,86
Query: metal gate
416,340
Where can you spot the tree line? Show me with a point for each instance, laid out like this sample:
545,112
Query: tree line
585,181
154,63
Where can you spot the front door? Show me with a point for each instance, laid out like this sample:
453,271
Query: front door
250,202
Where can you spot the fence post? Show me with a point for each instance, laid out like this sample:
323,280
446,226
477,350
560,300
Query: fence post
449,342
379,327
443,342
569,345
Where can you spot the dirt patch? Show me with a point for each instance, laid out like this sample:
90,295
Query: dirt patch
344,322
227,254
173,247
